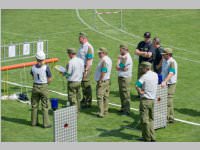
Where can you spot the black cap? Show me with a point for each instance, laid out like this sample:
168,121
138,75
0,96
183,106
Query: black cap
147,34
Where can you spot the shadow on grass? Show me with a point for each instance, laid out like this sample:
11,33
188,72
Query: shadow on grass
117,133
94,109
16,120
187,111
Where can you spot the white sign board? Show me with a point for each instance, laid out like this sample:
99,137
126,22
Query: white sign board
26,49
12,51
40,46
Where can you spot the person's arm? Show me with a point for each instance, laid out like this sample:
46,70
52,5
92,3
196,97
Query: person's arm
138,86
143,54
68,70
49,75
171,73
31,72
104,70
89,58
118,62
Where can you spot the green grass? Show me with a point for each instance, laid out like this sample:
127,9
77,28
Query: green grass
176,28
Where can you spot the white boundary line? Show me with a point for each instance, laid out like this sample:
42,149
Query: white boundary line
117,105
139,37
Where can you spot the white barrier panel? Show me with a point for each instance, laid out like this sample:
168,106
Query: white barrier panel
26,49
160,108
12,51
40,46
65,124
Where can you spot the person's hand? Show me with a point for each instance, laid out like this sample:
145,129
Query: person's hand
164,84
117,68
125,69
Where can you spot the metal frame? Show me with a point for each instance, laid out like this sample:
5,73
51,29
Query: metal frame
19,47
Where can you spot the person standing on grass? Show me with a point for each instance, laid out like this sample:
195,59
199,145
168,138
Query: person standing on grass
124,68
147,87
86,53
42,77
157,57
74,75
169,74
102,77
144,50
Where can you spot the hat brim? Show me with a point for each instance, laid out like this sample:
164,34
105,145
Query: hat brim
164,53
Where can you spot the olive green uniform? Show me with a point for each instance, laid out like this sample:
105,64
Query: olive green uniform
86,52
74,74
148,83
40,92
170,66
124,79
40,74
103,85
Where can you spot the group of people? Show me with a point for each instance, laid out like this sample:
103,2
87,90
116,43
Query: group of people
156,66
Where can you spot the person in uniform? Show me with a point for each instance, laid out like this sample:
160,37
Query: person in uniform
147,87
42,77
102,77
145,51
86,53
124,68
74,75
169,74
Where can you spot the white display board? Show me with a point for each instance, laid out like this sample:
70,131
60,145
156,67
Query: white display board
160,108
40,46
26,49
12,51
65,124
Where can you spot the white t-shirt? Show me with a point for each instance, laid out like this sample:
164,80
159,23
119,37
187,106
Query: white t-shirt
105,65
125,61
168,66
40,74
75,69
86,51
148,82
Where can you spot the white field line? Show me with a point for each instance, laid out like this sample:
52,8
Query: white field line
93,29
139,37
117,105
116,39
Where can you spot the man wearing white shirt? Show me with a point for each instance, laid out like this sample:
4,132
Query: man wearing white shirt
102,77
124,68
169,75
74,75
86,53
147,87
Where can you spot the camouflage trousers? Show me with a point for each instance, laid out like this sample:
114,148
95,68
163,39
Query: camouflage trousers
170,105
40,93
102,93
124,92
74,94
86,90
147,118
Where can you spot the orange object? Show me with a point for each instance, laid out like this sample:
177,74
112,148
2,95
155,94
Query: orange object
26,64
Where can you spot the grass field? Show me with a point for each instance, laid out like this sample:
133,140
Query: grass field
178,29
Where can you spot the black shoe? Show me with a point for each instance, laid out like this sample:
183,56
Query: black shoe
141,139
125,113
170,121
49,126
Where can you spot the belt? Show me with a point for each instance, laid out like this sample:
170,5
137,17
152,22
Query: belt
146,99
104,80
39,83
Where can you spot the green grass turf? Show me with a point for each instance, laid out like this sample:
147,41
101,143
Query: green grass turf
176,28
